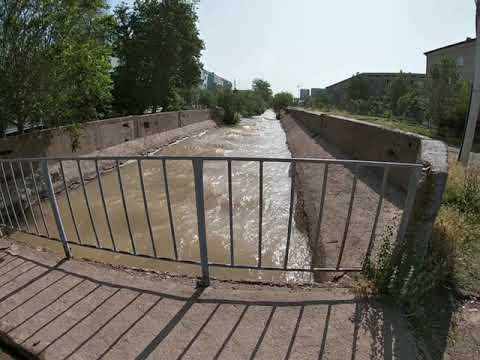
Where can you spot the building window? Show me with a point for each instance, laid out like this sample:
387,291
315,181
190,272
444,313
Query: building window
460,61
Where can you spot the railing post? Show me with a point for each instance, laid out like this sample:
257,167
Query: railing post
56,212
200,205
414,179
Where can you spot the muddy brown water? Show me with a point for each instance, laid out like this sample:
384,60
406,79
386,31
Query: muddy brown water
262,136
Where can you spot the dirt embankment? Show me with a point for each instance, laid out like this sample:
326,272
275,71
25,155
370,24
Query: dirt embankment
309,181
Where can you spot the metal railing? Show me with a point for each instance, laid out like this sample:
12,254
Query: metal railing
25,181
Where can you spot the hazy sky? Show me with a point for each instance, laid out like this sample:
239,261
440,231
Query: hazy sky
314,43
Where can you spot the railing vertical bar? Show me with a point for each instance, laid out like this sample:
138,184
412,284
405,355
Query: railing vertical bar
147,213
38,199
3,219
290,213
19,197
62,171
260,213
409,203
56,212
10,196
349,215
104,205
28,197
202,233
230,212
320,215
169,207
85,195
377,215
6,207
127,219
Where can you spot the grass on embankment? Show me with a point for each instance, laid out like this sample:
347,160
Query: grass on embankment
430,292
399,124
458,224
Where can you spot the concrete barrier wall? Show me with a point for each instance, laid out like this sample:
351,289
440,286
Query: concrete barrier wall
97,135
365,141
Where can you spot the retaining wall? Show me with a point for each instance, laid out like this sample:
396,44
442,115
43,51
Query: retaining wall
364,141
97,135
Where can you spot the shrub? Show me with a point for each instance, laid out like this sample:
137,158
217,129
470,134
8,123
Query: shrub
227,99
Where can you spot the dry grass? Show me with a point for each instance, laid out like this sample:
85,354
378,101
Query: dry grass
458,227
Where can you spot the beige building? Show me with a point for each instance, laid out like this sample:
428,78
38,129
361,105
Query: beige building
463,53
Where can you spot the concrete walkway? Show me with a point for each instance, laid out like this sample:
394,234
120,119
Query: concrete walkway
57,309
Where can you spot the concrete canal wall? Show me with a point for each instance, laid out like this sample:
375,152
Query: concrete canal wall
307,132
97,135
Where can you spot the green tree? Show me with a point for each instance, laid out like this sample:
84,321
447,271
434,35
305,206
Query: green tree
448,97
263,89
357,88
207,98
281,101
158,47
228,100
250,103
397,88
54,61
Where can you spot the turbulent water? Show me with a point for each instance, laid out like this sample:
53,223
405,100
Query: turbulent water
260,136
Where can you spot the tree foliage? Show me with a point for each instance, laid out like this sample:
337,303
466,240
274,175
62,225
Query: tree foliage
357,88
448,97
158,47
398,88
54,62
263,89
281,101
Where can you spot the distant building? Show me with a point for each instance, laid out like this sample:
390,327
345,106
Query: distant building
317,92
211,81
463,53
304,93
377,85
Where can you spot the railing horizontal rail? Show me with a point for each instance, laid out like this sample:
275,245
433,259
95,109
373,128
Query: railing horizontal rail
222,158
16,202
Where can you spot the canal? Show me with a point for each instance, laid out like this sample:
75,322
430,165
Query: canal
260,136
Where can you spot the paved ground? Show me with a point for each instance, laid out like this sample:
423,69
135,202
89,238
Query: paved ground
59,309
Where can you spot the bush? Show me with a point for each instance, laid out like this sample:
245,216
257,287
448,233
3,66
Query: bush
228,101
207,99
281,101
250,103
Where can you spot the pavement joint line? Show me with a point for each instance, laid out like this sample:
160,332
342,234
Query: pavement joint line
103,325
61,313
32,296
155,303
79,321
46,306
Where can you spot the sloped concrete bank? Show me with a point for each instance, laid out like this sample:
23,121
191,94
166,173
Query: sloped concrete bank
319,135
133,135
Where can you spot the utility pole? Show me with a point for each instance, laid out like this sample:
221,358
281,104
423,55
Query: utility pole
475,101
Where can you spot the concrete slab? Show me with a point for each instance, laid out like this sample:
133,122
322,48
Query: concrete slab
80,310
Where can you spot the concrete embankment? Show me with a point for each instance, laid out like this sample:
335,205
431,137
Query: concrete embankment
97,135
318,135
124,136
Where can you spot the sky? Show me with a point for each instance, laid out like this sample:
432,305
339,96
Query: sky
315,43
